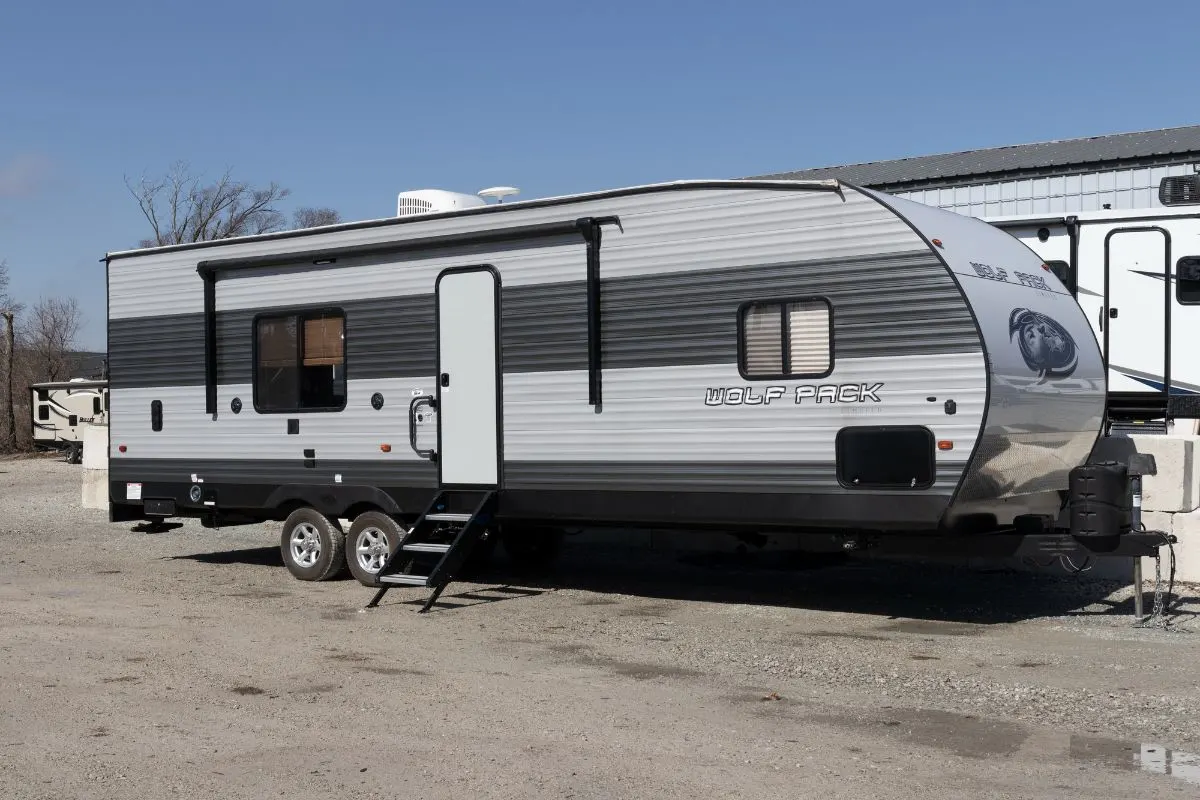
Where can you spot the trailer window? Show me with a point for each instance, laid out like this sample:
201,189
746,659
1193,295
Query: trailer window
300,362
43,412
95,405
1187,280
786,339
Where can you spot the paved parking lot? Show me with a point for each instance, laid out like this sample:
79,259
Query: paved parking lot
191,664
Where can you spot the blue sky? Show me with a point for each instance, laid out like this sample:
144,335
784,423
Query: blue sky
347,104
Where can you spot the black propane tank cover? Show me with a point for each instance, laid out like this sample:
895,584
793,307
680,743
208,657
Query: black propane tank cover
1100,500
377,401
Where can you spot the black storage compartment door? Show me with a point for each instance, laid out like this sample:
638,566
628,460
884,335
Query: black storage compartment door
885,457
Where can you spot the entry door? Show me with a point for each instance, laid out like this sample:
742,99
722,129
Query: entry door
468,381
1137,301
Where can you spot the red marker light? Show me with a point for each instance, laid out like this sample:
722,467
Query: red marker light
938,242
121,448
945,444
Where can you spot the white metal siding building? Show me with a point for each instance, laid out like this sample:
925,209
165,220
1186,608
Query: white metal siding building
1120,171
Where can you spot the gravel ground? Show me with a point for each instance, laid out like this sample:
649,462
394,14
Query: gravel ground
140,665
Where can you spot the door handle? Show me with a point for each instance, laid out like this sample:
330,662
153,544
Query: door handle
417,402
1101,319
445,380
1112,313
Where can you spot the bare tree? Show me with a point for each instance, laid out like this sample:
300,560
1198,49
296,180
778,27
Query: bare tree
10,412
53,327
314,218
8,310
181,208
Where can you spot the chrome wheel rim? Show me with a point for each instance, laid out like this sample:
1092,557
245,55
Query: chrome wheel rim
371,549
305,544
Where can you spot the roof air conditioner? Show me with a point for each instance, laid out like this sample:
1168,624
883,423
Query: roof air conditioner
434,201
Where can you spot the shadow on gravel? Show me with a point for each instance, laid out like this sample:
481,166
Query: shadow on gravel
896,590
254,556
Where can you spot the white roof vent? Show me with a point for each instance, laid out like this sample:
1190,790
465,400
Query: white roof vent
499,192
433,201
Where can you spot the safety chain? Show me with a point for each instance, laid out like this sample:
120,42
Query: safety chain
1158,617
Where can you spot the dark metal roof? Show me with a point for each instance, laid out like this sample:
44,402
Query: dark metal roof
1164,146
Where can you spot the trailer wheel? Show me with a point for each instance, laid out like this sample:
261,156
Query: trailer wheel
532,547
312,545
372,538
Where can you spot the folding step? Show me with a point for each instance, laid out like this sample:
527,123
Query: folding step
426,536
426,547
405,580
448,517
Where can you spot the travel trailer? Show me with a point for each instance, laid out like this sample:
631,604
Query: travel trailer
60,411
732,355
1136,274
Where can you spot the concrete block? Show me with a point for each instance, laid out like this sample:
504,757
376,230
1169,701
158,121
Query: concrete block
1176,487
95,488
95,447
1187,551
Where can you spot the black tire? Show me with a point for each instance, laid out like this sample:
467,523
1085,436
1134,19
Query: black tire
366,531
532,548
319,552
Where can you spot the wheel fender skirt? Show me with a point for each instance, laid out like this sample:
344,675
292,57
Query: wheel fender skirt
332,500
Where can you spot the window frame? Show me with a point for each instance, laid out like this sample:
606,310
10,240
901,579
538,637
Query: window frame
300,312
1179,283
784,330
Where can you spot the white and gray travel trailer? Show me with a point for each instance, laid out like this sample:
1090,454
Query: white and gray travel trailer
61,410
801,356
1136,275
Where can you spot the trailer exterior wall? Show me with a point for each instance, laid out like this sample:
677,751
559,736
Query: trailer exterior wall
672,282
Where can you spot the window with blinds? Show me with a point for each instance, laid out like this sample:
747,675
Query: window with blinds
786,339
300,362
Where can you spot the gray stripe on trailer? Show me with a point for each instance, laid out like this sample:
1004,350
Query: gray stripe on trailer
883,306
750,476
377,472
549,475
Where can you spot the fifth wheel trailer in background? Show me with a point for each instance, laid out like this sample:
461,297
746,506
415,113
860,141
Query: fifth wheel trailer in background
61,411
1136,274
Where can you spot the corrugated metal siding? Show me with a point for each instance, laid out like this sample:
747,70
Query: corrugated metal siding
1120,189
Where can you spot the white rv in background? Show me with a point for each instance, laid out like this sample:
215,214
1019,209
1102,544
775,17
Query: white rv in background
1136,274
61,410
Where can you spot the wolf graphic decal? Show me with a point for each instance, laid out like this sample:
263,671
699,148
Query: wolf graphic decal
1045,345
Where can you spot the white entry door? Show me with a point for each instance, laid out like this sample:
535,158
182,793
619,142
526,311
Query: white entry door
468,380
1135,311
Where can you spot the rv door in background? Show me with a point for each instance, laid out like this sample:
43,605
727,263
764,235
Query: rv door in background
1135,318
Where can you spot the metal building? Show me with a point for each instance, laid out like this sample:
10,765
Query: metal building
1120,171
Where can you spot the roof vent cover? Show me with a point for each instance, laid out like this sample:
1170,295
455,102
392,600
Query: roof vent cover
1179,190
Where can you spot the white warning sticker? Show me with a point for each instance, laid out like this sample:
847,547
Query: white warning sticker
133,491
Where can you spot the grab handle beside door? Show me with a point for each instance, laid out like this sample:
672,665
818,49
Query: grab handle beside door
417,402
